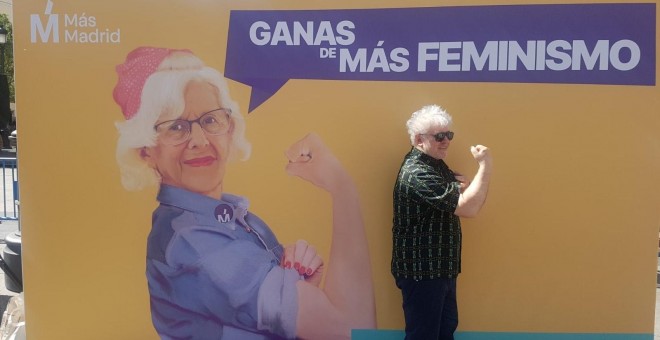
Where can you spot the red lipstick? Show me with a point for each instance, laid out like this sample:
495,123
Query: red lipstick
202,161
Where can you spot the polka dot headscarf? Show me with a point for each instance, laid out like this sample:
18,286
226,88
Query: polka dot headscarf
140,63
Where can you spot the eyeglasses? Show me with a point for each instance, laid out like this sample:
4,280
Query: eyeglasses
440,136
177,131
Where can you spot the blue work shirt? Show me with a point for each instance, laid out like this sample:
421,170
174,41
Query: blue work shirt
213,271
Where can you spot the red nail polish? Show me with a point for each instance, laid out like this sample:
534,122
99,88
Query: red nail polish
308,272
296,265
287,264
302,270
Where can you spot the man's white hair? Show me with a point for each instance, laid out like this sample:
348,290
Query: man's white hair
163,97
422,120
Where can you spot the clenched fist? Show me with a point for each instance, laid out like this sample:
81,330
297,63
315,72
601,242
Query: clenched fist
481,154
312,161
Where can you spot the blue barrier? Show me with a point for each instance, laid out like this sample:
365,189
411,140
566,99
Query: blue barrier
9,188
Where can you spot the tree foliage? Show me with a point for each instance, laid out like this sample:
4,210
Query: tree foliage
8,51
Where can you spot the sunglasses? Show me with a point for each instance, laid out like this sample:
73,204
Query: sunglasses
440,136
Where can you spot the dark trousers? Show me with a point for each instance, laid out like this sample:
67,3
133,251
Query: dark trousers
430,308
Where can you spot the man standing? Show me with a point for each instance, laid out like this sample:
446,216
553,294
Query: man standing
429,198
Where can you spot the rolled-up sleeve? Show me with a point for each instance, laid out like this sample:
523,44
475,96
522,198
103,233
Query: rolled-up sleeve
278,302
236,282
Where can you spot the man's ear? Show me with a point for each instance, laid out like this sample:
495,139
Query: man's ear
146,155
418,140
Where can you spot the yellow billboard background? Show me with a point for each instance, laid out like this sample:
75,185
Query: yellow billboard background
566,243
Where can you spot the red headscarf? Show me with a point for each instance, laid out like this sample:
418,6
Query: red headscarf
140,63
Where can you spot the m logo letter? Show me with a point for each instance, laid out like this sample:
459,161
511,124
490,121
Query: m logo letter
52,28
224,213
224,218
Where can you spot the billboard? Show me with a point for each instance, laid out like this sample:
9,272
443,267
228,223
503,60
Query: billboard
305,106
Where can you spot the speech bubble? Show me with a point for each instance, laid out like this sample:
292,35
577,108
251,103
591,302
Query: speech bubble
570,43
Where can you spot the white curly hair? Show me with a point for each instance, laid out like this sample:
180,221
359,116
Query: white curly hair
163,97
422,120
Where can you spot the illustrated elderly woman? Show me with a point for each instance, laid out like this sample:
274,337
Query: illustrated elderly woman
215,270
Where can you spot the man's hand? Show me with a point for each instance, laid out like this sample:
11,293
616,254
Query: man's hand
462,180
481,154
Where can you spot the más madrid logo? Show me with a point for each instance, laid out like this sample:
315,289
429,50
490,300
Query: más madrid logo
76,28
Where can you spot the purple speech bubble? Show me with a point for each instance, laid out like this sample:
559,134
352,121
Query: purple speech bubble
569,43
